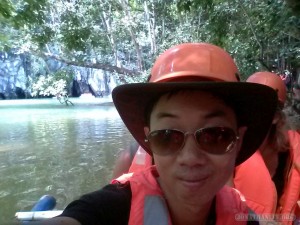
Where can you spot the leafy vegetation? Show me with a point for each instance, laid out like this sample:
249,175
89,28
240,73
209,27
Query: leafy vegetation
55,84
125,36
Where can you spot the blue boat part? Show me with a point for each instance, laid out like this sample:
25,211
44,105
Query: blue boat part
26,217
42,210
46,202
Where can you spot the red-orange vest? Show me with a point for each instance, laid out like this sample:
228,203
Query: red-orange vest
253,180
148,205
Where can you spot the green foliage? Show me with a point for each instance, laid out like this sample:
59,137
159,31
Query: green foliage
295,6
48,86
53,84
42,36
30,13
64,74
6,9
260,34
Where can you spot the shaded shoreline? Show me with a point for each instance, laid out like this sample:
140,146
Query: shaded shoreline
54,103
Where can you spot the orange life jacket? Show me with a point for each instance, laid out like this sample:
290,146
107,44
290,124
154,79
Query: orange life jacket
253,180
148,206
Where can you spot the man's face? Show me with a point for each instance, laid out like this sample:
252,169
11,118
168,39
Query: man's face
192,174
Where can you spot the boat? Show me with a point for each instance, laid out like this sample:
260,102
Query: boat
43,209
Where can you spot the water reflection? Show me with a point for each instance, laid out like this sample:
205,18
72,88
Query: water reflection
57,150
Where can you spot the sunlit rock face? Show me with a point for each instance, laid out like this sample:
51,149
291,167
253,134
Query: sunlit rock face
12,76
18,71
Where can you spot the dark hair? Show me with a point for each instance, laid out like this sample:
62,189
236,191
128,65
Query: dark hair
277,137
153,102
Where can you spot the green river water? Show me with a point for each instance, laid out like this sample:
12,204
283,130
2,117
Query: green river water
49,148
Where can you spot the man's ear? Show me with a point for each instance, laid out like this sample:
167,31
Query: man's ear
146,130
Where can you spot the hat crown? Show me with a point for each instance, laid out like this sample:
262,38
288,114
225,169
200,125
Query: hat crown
272,80
199,60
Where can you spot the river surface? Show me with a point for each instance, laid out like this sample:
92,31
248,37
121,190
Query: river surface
49,148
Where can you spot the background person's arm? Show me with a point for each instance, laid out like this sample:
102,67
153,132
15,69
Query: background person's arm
124,160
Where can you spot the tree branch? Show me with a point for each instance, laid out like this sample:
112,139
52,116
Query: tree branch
251,25
102,66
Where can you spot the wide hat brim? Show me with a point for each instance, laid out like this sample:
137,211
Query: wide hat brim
254,104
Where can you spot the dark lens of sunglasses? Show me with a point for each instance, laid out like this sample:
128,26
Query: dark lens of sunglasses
215,140
165,142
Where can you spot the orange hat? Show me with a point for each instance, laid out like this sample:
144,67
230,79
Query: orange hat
184,60
204,67
272,80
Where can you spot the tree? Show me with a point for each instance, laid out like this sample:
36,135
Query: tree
125,36
262,35
295,6
55,85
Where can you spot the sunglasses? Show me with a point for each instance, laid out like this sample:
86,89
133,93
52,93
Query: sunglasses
213,140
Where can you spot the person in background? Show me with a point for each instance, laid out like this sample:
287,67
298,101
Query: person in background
270,178
198,122
124,159
296,97
296,91
286,77
132,160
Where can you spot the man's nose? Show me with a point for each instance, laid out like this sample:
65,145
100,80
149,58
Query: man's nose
191,153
